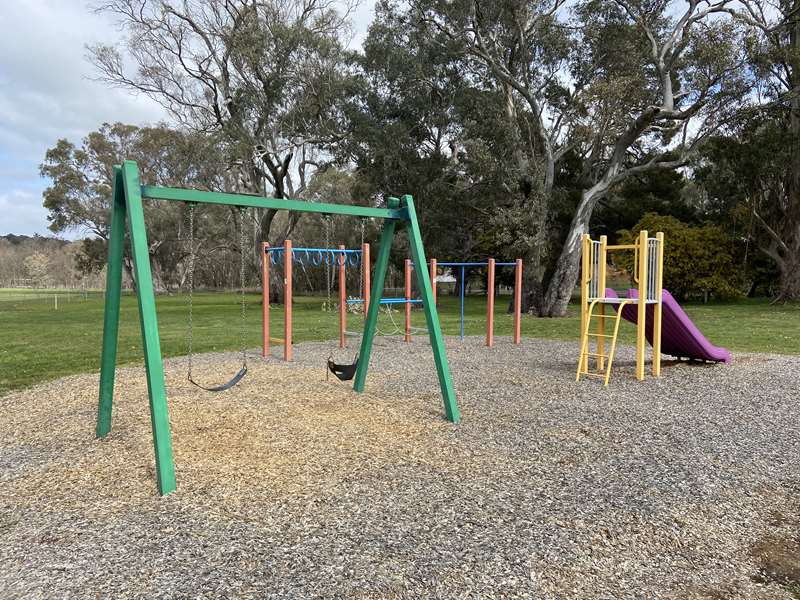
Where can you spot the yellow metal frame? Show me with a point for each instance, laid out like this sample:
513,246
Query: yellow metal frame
597,254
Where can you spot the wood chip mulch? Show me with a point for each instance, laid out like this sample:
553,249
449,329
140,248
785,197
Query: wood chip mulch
291,486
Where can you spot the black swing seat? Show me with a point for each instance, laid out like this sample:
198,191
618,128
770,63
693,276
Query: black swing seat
343,372
225,386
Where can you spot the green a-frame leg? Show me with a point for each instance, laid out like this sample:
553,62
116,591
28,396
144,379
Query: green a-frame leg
429,306
127,206
128,196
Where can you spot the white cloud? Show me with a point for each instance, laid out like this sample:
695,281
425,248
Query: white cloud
46,93
21,212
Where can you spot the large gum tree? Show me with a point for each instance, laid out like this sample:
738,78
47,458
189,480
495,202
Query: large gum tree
266,76
618,86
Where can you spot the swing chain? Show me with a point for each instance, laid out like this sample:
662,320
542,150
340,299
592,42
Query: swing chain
361,270
327,306
192,259
190,334
243,324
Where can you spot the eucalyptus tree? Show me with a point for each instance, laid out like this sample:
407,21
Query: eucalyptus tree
405,127
625,86
746,177
769,144
78,197
267,76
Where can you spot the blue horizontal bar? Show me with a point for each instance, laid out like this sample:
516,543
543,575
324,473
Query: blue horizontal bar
400,301
474,264
388,301
297,249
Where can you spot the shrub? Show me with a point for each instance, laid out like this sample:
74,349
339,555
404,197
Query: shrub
697,260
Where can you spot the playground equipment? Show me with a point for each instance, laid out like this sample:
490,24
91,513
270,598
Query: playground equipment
680,337
407,300
127,209
315,257
343,258
243,324
648,267
659,320
491,266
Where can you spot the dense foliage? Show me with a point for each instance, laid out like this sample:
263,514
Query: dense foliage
517,126
698,259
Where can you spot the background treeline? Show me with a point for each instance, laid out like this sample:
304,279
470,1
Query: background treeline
517,126
44,262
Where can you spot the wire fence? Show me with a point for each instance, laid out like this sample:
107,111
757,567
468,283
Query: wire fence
55,297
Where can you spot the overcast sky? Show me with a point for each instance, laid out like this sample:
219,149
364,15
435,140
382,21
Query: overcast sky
46,94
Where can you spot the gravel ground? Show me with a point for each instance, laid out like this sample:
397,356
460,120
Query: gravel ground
294,486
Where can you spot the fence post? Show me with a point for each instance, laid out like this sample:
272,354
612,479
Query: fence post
342,297
490,303
518,301
265,258
287,300
407,272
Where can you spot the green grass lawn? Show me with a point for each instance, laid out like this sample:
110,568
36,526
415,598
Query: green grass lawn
38,343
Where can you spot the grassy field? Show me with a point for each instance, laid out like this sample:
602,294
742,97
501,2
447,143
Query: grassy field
39,342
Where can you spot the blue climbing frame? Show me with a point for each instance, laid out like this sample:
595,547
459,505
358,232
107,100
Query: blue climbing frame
315,256
463,266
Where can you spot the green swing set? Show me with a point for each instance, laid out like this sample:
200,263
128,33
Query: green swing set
128,195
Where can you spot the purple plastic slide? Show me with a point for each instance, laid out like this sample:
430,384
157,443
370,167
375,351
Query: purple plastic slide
680,337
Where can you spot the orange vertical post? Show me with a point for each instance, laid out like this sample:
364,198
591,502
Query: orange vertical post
342,297
490,303
408,298
287,300
265,298
518,301
433,279
365,270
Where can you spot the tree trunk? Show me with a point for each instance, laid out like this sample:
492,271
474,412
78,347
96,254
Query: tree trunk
565,276
790,267
127,263
790,277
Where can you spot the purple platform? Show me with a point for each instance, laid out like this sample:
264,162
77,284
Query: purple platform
680,337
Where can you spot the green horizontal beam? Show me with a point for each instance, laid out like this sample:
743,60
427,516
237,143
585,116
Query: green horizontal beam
164,193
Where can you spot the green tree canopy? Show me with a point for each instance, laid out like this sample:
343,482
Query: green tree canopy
698,259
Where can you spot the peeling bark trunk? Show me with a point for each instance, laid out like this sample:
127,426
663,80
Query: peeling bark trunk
565,276
127,263
790,279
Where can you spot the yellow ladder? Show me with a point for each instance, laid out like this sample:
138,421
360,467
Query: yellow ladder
601,357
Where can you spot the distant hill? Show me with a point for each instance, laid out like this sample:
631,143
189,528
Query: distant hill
15,240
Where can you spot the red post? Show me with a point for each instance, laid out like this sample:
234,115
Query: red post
408,298
490,303
433,279
342,298
365,269
265,258
518,301
287,300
